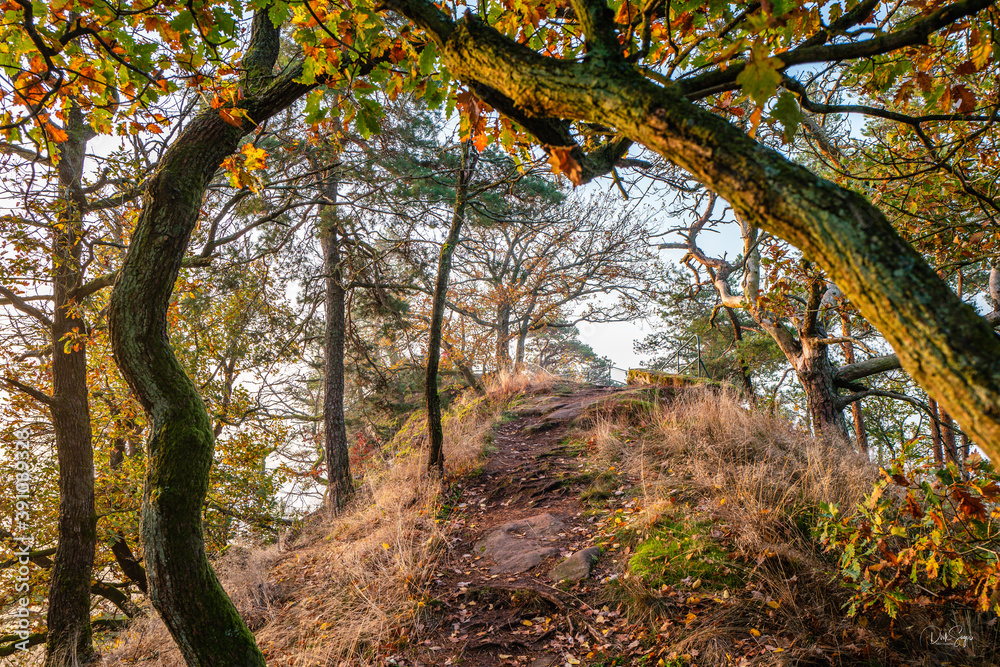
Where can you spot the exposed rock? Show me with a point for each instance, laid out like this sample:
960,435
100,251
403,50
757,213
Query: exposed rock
520,545
576,567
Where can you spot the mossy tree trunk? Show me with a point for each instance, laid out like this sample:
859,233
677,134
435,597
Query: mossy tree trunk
69,641
340,484
941,341
182,585
435,431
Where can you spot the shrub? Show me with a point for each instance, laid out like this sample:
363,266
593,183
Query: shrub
923,536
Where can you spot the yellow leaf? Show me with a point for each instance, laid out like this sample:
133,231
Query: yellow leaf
690,618
528,623
385,545
755,632
254,158
773,604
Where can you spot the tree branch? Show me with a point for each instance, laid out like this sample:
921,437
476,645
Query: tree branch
39,396
25,307
916,33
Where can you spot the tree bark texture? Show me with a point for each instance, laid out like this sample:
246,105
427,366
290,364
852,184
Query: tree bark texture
182,585
435,431
69,641
340,484
941,341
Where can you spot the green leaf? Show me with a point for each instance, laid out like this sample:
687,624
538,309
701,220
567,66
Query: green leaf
786,111
761,77
428,58
278,11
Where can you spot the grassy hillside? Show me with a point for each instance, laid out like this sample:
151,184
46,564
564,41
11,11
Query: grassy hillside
705,513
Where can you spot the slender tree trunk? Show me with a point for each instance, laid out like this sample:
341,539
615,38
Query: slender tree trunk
745,375
435,432
182,585
340,484
948,438
522,338
503,335
936,432
859,417
69,640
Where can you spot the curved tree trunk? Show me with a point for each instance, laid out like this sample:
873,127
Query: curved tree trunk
69,635
435,432
340,484
941,342
182,585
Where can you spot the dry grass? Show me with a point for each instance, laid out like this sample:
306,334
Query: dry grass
759,481
506,384
349,587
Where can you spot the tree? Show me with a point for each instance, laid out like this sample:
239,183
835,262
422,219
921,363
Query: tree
569,261
435,432
942,342
182,585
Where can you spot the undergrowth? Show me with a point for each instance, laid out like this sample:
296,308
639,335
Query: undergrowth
724,565
349,588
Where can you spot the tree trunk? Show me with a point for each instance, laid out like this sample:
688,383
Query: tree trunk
435,432
936,432
948,439
815,372
340,484
182,585
941,342
503,335
522,337
859,418
745,376
69,640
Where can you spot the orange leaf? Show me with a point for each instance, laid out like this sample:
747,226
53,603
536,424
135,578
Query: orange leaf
231,118
563,162
55,134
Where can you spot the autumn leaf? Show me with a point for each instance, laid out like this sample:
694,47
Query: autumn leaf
786,111
254,158
761,76
563,162
56,134
230,117
966,98
969,504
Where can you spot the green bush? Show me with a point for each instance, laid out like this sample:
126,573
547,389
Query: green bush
924,536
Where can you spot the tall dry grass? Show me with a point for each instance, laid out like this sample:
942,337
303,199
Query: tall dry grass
760,481
350,587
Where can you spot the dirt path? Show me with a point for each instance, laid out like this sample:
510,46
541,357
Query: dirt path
493,600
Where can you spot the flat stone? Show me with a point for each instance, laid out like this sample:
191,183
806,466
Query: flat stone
520,545
576,567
